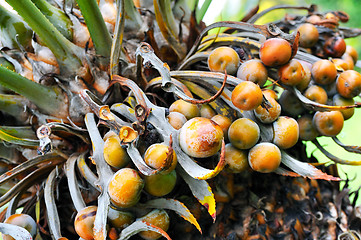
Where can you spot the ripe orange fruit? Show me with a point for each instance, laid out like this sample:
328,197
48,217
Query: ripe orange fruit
247,96
264,157
243,133
328,123
348,84
253,70
223,58
125,187
285,132
275,52
156,156
200,137
84,222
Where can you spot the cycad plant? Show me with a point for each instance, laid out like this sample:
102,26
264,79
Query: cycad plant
120,118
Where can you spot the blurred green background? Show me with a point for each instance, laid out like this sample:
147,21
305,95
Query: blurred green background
351,133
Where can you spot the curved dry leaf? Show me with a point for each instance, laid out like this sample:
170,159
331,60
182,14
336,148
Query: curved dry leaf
87,173
195,170
305,169
203,76
74,190
349,148
333,157
175,205
255,17
27,165
197,57
62,127
241,40
139,226
201,190
285,172
27,182
51,209
260,29
315,106
18,233
211,98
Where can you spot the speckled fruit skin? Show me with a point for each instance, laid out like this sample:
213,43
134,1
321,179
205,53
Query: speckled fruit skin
156,155
243,133
84,222
328,123
348,84
253,70
236,159
247,96
275,52
270,114
158,218
324,72
307,131
21,220
125,187
223,58
264,157
308,35
200,137
292,73
285,132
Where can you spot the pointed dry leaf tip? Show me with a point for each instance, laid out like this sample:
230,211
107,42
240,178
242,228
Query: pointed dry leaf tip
174,205
127,135
200,190
349,148
305,169
220,165
139,226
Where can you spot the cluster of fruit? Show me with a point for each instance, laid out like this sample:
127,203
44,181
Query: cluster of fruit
322,82
257,91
